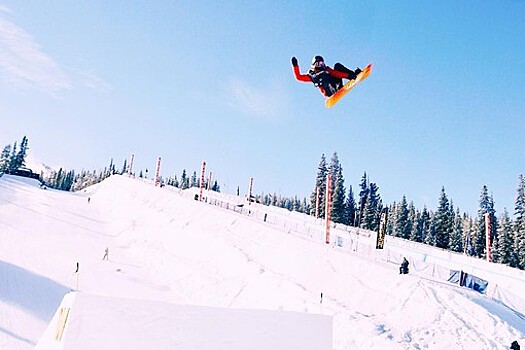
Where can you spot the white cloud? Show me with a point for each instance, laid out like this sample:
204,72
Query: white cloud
94,82
4,9
24,63
266,104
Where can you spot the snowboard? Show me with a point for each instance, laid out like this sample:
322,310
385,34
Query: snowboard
332,100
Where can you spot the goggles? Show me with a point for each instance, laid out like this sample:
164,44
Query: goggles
318,65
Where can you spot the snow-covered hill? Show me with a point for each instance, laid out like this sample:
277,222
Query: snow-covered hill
165,247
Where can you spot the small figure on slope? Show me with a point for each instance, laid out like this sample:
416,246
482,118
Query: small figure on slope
328,80
403,269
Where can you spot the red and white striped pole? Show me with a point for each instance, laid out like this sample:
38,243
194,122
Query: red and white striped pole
130,167
157,172
488,238
202,179
328,208
250,191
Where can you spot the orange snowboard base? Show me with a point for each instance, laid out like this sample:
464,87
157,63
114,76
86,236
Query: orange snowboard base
332,100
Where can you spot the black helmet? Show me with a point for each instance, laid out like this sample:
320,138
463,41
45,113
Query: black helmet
318,63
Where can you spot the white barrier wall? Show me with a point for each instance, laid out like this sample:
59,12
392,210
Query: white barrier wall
87,322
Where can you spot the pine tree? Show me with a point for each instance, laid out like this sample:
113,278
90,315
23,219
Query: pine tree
443,221
372,209
416,233
111,170
363,198
391,220
350,208
469,234
306,206
194,182
83,180
420,225
274,200
4,159
19,159
59,178
456,237
518,259
296,204
184,181
124,167
503,244
430,237
411,219
12,159
67,182
486,205
452,215
320,187
173,181
401,223
338,193
426,222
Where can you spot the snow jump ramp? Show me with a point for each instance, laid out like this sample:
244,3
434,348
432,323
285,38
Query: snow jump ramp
85,321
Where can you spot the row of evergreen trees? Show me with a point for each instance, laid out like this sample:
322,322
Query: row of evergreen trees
88,178
13,157
444,228
447,228
345,210
189,181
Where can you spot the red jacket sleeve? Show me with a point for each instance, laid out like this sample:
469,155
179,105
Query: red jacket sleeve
299,76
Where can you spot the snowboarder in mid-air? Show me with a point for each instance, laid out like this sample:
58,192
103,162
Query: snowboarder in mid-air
328,80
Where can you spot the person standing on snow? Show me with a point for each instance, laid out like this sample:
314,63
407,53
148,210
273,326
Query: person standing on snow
328,80
403,269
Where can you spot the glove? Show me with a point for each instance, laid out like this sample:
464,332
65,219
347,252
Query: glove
294,62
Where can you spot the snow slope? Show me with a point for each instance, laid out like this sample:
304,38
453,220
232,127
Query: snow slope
165,247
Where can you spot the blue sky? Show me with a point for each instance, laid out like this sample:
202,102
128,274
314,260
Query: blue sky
193,80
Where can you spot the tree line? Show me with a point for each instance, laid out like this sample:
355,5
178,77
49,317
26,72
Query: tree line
445,227
14,157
